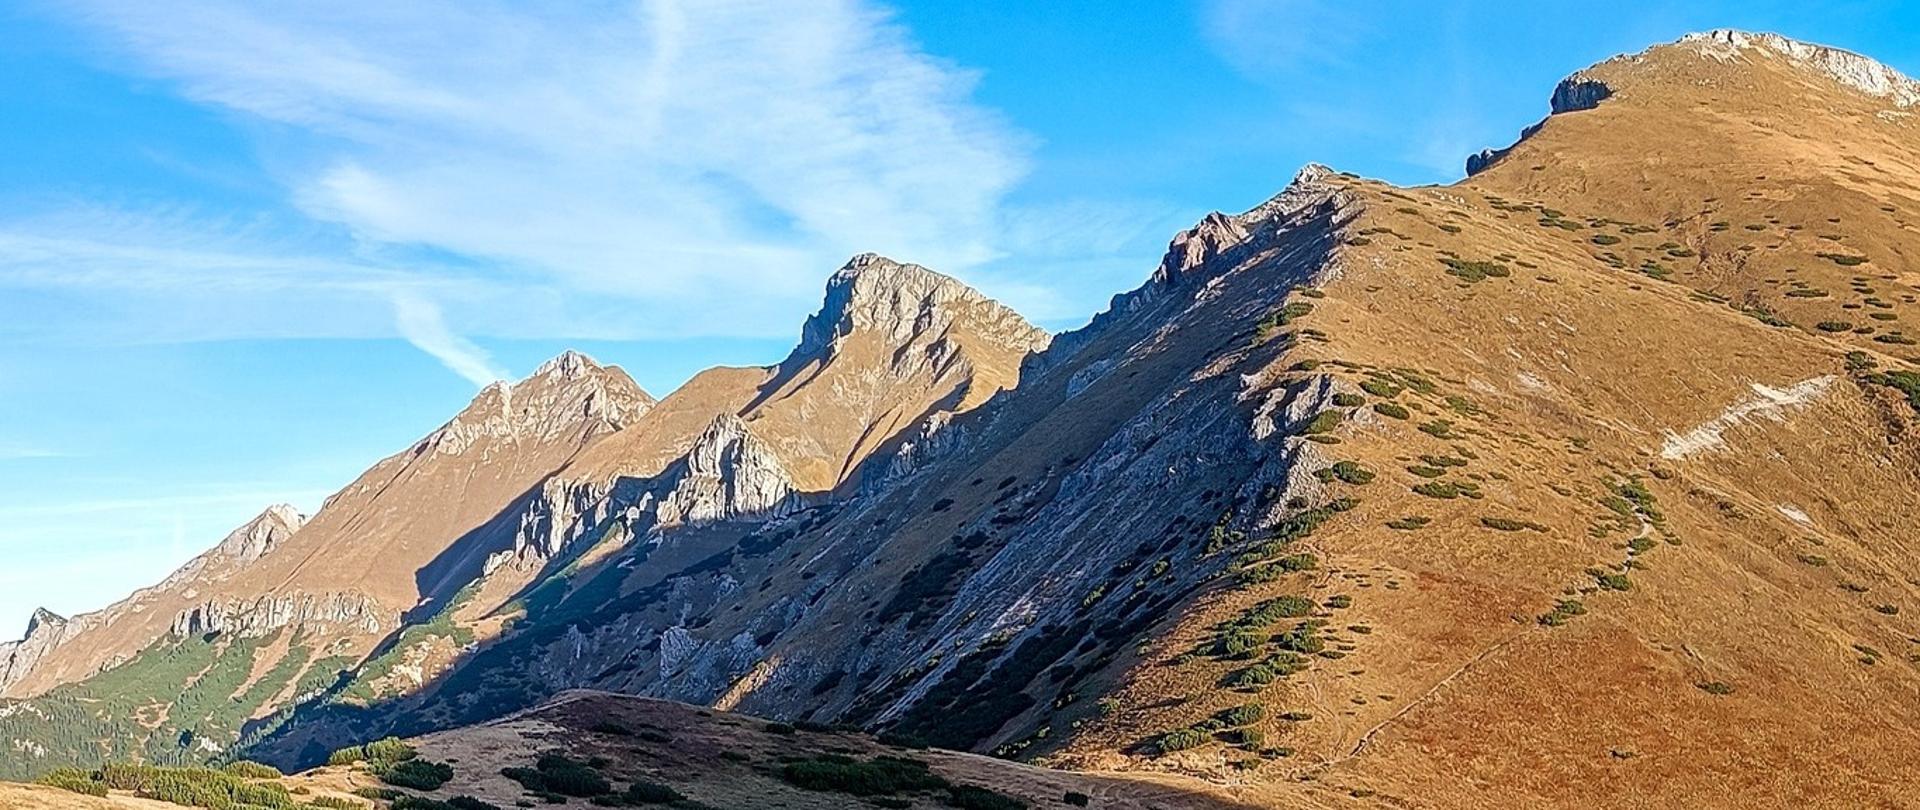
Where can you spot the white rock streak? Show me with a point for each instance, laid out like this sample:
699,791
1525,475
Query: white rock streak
1765,403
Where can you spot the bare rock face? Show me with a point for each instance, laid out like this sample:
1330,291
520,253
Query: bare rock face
1576,93
568,394
261,535
263,615
730,473
45,630
1194,246
905,302
555,517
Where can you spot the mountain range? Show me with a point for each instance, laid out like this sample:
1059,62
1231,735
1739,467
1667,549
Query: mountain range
1587,479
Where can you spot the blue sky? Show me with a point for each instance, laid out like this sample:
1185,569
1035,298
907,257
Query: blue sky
247,250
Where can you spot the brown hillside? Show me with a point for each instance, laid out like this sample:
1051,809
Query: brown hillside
1587,481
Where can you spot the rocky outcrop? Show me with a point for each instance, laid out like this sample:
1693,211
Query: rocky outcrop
905,303
728,474
1213,235
45,630
260,535
1575,93
263,615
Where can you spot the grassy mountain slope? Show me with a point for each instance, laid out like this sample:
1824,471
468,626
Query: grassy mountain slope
1588,479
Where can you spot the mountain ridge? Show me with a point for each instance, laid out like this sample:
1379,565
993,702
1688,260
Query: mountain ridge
1594,468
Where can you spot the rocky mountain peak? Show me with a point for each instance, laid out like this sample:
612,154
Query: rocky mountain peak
44,618
570,392
568,365
904,301
253,539
45,631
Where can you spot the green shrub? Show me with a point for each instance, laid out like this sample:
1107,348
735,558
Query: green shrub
1076,798
253,770
335,803
390,749
1562,612
1715,687
1243,715
128,777
1349,400
1391,410
1181,739
652,793
1448,490
1304,638
470,803
1474,272
1612,581
1278,568
1380,387
1323,422
73,780
554,773
880,776
969,797
1409,523
1510,524
418,774
1345,471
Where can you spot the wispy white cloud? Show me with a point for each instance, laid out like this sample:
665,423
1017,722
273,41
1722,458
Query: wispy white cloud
16,451
421,324
703,163
1276,38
